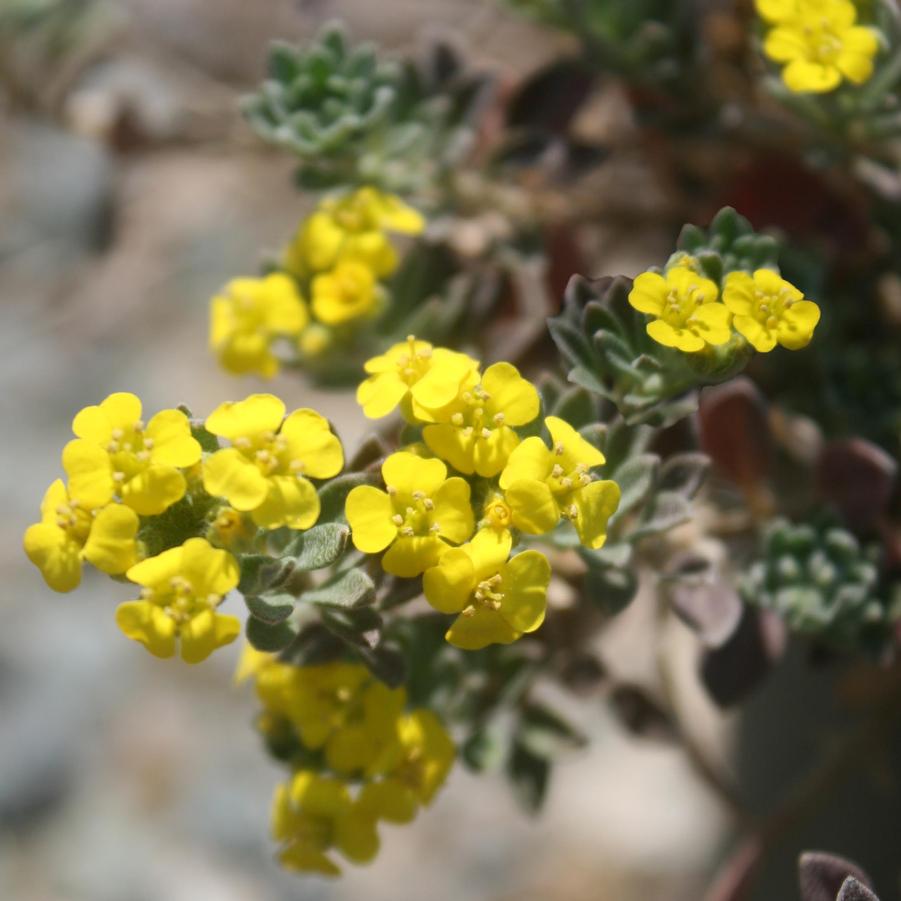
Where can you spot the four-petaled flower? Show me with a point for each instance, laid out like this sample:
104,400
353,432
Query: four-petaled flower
498,600
75,529
313,814
541,485
473,433
248,315
415,767
182,587
115,454
769,310
685,304
352,228
415,375
265,471
818,42
347,292
416,519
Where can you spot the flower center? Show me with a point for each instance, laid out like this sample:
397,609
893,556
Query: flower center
411,770
770,308
179,601
74,520
413,514
129,452
414,364
268,451
562,482
498,514
312,831
477,418
679,306
487,596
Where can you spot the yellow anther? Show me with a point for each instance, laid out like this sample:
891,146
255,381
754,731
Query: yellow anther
397,519
457,419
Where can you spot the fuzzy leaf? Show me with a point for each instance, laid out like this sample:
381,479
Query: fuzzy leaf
353,588
318,547
270,608
271,636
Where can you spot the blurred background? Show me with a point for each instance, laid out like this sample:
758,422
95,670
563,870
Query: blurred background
130,190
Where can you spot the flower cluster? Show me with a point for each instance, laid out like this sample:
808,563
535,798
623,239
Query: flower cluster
693,313
130,482
819,43
330,277
458,527
358,757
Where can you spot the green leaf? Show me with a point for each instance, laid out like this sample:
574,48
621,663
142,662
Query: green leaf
333,495
635,479
577,407
271,636
609,587
530,776
546,734
486,748
667,510
684,473
318,547
350,589
258,571
270,608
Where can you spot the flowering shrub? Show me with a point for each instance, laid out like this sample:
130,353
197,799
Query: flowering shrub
533,463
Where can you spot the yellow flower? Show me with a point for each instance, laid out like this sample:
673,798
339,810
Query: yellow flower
265,471
415,768
769,310
413,373
182,588
541,485
116,455
688,316
348,292
248,315
72,530
497,600
313,814
336,706
474,432
419,514
251,663
818,42
352,228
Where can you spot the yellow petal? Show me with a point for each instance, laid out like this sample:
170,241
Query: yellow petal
406,473
410,557
785,44
488,553
389,800
284,311
712,322
206,632
111,543
796,329
209,570
55,554
55,496
229,474
738,295
453,510
291,501
246,418
118,411
145,622
369,513
173,444
380,394
756,335
490,455
451,444
595,503
529,461
158,570
154,490
90,474
448,585
439,386
484,627
680,338
648,293
303,859
355,835
511,394
575,449
802,77
311,441
533,506
525,581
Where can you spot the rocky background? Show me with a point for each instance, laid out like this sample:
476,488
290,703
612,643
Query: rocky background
129,191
